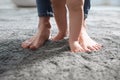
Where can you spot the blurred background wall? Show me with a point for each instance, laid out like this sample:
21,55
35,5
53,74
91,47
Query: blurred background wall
105,2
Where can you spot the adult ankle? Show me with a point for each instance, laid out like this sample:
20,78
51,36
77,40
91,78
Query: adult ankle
44,21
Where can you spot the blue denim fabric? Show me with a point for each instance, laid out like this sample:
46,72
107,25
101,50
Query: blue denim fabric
44,8
87,6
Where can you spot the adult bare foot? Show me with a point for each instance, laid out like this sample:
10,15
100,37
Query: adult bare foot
27,42
40,37
88,43
37,40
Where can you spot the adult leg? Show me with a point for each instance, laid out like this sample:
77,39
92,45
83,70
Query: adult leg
44,12
86,42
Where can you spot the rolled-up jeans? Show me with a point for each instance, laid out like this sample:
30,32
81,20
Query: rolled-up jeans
44,8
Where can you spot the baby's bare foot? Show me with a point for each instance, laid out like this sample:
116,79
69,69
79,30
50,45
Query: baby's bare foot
58,37
87,43
75,46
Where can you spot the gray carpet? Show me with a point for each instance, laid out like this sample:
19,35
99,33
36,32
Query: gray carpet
53,61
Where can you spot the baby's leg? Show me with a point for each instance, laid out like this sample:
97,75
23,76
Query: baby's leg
75,8
59,10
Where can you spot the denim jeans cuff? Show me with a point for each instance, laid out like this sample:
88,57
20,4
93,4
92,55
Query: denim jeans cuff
85,16
50,14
